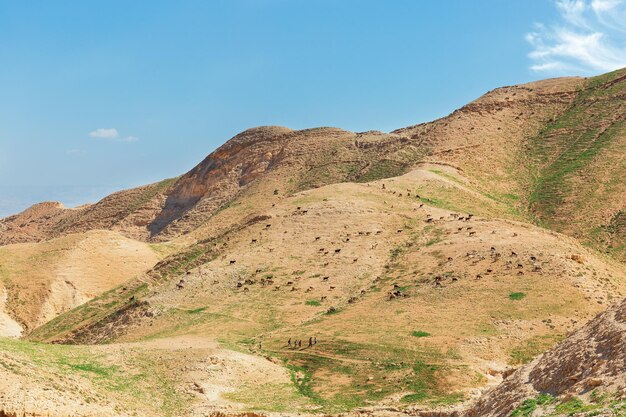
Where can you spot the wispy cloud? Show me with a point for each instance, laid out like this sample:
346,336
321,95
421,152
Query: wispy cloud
589,38
102,133
112,134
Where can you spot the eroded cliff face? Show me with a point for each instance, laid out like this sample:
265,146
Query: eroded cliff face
221,175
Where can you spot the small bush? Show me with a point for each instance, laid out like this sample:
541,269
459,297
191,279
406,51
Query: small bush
413,398
419,333
526,409
516,296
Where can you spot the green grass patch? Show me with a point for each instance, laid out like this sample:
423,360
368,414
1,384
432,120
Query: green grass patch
573,406
516,296
314,303
419,333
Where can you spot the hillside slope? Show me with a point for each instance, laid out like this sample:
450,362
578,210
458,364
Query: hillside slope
384,280
39,281
585,374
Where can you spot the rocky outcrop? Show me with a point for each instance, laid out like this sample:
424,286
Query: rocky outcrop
593,357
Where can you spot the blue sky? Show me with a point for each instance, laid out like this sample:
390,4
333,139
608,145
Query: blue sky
96,96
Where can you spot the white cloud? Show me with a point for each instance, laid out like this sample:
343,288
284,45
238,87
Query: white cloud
111,133
591,38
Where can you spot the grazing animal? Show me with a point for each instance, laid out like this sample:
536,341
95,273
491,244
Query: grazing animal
317,238
337,250
472,233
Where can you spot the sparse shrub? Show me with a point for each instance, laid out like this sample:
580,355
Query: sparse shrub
526,409
413,398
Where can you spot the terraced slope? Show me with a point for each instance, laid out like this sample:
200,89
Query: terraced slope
579,166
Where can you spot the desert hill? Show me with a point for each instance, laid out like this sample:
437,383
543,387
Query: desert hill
41,281
417,268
